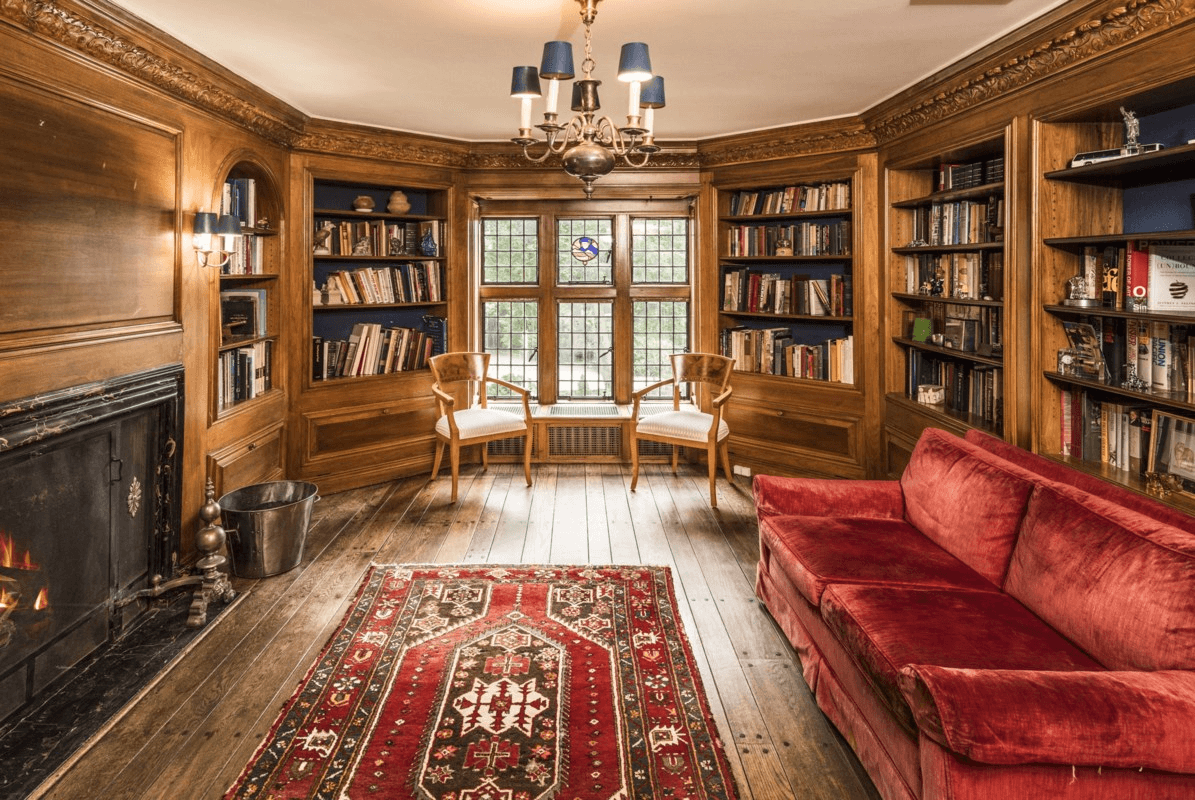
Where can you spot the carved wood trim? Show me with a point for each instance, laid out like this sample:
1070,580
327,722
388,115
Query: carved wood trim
383,146
1087,40
102,44
513,159
792,143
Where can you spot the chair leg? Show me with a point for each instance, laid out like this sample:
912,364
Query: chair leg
485,456
634,462
675,457
527,458
439,457
455,457
713,469
724,448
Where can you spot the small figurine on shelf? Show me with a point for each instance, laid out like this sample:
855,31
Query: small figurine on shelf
784,247
363,203
937,285
1077,291
428,245
323,240
1132,131
398,203
1133,382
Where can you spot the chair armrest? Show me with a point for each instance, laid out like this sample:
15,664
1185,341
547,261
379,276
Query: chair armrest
722,398
446,402
523,393
828,497
1111,719
637,396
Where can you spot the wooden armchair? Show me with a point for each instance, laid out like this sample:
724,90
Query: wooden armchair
688,426
474,424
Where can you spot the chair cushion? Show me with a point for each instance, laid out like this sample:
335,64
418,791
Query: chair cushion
817,551
476,422
693,426
886,628
1125,596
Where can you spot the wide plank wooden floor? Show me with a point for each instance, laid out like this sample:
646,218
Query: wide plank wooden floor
191,733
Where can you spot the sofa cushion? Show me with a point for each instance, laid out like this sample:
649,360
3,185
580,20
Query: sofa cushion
1126,598
966,500
817,551
1106,492
888,628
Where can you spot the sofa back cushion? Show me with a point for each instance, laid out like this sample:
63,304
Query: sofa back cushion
966,500
1125,597
1060,473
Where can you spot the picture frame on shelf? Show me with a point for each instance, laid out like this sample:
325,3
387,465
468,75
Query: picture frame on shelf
1172,452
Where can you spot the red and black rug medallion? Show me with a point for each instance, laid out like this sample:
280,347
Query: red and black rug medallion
499,683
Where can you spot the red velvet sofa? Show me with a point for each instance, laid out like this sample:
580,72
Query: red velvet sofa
992,625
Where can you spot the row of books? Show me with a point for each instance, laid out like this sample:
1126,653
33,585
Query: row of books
970,174
244,373
973,389
805,239
417,282
960,222
244,314
1141,275
1104,431
772,351
239,198
1158,352
966,328
370,350
246,258
835,196
972,276
377,238
774,293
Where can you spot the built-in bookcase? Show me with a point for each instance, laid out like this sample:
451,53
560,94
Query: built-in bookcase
378,281
1126,227
248,301
947,283
786,301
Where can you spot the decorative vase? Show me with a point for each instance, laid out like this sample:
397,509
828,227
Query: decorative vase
363,203
428,245
398,203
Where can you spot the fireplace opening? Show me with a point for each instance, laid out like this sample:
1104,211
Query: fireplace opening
89,512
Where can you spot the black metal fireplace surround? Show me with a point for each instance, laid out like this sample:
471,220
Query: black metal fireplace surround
90,480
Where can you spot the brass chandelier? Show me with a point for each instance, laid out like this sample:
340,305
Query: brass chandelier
589,147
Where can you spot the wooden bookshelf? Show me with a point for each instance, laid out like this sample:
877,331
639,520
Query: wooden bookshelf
946,262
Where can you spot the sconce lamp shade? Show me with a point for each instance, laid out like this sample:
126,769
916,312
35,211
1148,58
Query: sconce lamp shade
557,63
228,225
525,82
205,223
652,94
634,64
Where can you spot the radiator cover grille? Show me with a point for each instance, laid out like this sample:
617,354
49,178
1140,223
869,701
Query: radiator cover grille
585,440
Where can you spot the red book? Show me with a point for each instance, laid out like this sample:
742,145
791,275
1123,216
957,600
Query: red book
1136,296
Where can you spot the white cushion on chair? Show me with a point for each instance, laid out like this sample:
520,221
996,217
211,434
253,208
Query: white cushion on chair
691,425
474,422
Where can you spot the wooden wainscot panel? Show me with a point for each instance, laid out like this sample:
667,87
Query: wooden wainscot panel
897,450
368,443
250,461
88,202
779,440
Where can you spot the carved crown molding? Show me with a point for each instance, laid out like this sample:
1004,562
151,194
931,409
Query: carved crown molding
383,146
513,159
104,45
787,145
1115,28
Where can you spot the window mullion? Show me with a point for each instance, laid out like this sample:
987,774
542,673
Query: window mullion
548,357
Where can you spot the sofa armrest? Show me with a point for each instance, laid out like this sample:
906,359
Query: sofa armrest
826,497
1093,719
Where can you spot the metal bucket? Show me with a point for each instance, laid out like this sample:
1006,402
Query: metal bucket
267,526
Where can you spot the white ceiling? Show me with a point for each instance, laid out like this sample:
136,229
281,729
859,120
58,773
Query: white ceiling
443,66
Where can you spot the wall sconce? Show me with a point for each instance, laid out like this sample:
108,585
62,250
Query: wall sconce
215,238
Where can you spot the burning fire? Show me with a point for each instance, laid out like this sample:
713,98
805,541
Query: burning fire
8,551
43,600
6,600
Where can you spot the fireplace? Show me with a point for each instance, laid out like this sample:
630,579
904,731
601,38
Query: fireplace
89,512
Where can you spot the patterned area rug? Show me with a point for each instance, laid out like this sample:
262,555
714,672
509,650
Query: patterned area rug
499,683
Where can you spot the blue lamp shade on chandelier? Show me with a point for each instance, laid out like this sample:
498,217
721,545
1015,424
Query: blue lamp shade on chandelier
525,82
557,63
652,94
634,64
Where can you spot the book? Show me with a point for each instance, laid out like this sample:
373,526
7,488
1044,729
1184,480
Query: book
1160,356
242,314
1171,277
1136,278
